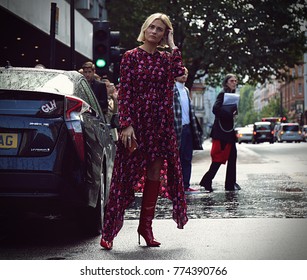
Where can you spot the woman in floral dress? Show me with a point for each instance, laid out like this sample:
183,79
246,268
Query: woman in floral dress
145,103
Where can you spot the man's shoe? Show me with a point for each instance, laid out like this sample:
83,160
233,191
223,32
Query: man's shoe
237,187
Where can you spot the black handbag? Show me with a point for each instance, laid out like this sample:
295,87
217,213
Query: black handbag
228,111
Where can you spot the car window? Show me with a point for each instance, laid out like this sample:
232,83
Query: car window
290,128
80,92
90,97
263,127
39,104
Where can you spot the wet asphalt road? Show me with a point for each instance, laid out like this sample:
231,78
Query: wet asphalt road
274,185
273,179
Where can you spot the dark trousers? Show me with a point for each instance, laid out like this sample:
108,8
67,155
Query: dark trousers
231,171
186,154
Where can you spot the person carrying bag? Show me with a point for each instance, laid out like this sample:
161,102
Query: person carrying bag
223,136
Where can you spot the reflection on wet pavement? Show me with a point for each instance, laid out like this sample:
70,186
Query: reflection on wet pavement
262,196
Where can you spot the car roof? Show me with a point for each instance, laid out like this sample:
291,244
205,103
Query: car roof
260,123
245,129
285,124
37,79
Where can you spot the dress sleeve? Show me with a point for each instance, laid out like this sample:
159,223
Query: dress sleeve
125,91
176,63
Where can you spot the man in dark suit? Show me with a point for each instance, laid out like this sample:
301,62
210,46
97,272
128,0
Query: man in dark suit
99,88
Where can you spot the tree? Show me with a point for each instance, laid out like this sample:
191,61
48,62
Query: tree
252,38
247,114
272,109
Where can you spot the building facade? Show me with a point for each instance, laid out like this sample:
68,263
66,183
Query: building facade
292,94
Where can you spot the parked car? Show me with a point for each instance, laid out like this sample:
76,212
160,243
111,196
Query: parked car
289,132
56,145
245,135
262,132
304,133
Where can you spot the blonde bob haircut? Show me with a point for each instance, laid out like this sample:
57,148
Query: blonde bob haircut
164,18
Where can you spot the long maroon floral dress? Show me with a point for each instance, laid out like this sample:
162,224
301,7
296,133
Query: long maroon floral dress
145,102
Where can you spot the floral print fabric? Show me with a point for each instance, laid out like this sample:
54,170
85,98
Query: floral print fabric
145,101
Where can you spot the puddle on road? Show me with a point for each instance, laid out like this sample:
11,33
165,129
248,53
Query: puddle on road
262,196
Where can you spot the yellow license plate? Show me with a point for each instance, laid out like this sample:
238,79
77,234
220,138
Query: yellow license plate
8,140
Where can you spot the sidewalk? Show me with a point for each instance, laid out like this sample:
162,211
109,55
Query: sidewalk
216,239
244,234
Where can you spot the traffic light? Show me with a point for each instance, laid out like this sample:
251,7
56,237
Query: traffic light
116,54
101,47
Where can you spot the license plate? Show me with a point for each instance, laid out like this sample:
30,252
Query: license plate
8,140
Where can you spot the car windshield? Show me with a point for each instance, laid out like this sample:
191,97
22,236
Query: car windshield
290,128
263,127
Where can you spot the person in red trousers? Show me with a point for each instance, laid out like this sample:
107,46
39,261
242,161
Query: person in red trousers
147,158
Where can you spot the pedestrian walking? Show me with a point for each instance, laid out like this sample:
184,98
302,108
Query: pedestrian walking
223,138
188,130
145,103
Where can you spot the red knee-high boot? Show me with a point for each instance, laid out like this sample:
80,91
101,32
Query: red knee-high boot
149,200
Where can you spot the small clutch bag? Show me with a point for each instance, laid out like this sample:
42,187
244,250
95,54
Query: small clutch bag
133,146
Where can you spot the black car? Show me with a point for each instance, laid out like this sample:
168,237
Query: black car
56,146
263,132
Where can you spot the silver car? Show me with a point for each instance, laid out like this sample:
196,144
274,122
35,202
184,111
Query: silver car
245,135
289,132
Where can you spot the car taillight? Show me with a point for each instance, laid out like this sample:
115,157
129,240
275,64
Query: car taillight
73,114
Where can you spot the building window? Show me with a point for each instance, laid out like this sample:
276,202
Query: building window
293,72
300,89
300,70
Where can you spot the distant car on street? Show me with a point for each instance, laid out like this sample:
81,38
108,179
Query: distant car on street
245,135
289,132
56,145
262,132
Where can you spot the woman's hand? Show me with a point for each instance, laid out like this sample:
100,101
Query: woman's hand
126,136
170,39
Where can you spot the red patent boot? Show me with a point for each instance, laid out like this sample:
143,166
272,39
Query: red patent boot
105,244
149,200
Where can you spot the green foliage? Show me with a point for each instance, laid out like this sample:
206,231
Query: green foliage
247,114
272,109
248,37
